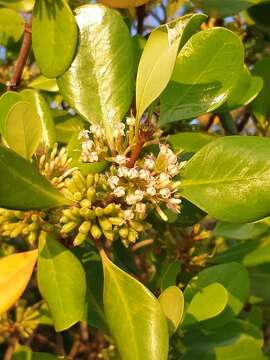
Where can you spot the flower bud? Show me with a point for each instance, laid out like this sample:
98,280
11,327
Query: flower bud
96,232
67,228
109,235
99,211
132,235
123,232
105,224
85,203
116,221
77,196
91,194
85,227
136,226
79,239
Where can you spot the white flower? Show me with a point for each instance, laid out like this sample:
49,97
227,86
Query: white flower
128,214
97,130
119,191
119,130
131,199
173,204
113,181
163,177
93,156
149,163
140,208
132,173
165,193
145,174
163,149
139,195
83,134
173,170
151,191
121,159
123,171
130,121
88,145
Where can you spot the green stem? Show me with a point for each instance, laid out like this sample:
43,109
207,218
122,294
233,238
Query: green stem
227,123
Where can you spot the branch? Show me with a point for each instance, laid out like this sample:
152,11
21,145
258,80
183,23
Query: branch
140,16
228,123
23,56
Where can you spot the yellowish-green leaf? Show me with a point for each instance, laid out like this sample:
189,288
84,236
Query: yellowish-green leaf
43,83
22,129
15,274
134,316
123,3
172,303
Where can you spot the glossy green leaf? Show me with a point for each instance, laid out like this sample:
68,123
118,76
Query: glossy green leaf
18,5
260,282
43,83
257,14
261,105
229,179
11,26
233,277
99,82
251,253
42,108
134,316
63,291
54,35
43,356
7,100
172,303
92,264
190,141
198,85
245,91
66,126
217,8
22,353
169,276
240,231
22,187
238,340
158,58
207,303
22,129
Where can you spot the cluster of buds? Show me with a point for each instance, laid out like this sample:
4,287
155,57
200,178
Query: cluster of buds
94,213
94,146
27,224
55,165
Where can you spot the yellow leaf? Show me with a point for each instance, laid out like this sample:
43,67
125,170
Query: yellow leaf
124,3
15,274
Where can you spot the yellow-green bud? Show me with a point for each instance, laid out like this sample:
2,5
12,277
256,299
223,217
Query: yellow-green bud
85,227
85,203
91,194
71,185
67,228
34,217
132,235
123,232
89,180
78,180
32,237
105,224
99,211
63,219
109,209
116,221
69,215
77,196
68,194
136,225
87,213
79,239
109,235
96,232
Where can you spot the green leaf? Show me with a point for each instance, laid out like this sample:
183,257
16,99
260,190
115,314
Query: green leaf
229,179
233,277
261,105
99,82
158,58
45,116
43,356
238,340
92,264
7,100
172,303
134,316
54,35
207,303
22,187
251,253
217,8
61,281
169,275
22,353
43,83
22,129
245,91
66,125
257,14
190,141
198,85
11,26
260,282
240,231
18,5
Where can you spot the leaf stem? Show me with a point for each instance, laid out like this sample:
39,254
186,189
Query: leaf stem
227,123
22,58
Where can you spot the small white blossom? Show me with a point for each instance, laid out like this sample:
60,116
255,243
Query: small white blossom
151,191
83,134
140,208
139,194
97,130
149,163
119,191
130,121
163,177
163,149
88,145
173,170
132,173
131,199
121,159
113,181
165,193
173,204
119,130
145,174
123,171
128,214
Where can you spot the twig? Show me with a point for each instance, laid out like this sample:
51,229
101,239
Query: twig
210,122
23,56
243,121
144,135
228,123
140,16
11,348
